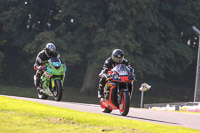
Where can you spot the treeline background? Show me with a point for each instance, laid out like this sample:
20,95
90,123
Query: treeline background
156,36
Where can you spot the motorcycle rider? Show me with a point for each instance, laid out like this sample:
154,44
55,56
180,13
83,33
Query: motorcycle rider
116,58
48,52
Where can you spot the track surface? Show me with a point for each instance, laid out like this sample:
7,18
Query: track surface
190,120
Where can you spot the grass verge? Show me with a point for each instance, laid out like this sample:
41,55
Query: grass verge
24,116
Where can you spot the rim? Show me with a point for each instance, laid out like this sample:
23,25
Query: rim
56,91
122,104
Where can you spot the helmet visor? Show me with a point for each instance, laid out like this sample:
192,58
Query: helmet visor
118,60
50,53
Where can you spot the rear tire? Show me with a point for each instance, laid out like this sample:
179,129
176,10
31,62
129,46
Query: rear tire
105,109
58,91
125,103
41,95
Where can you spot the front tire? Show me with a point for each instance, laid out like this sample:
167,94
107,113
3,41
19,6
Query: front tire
125,103
58,91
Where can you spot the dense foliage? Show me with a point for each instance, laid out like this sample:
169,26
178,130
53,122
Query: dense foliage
156,36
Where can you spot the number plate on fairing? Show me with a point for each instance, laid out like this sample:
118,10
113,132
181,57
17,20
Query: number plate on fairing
123,73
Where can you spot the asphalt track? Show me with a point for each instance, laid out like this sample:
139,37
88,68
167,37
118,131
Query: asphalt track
189,120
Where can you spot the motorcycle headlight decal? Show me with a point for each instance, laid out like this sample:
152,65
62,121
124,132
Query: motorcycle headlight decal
56,64
115,76
49,70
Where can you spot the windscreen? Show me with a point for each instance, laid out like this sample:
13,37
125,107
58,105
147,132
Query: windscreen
121,69
55,61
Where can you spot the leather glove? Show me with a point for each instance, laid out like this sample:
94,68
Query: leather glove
102,74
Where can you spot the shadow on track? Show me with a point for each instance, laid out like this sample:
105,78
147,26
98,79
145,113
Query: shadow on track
150,120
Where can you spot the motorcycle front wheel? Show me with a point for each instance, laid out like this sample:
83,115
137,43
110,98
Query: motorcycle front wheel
125,103
58,90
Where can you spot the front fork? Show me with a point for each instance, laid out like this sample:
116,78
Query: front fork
131,90
35,80
53,83
127,89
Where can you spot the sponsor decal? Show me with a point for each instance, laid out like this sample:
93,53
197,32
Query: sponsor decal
47,74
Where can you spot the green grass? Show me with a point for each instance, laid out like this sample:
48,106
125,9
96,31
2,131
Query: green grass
24,116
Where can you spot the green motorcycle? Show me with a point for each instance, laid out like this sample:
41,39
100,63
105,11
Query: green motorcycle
51,81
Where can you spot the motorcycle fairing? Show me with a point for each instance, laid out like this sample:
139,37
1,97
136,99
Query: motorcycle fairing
110,92
121,73
54,68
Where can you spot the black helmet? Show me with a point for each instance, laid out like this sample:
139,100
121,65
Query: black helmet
50,49
117,56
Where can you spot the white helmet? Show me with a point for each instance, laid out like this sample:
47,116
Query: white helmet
50,49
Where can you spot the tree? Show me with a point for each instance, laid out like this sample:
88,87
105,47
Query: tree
21,21
143,29
156,37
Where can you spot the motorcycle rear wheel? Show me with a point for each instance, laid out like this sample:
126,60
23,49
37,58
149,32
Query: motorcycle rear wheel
125,103
105,109
58,91
41,95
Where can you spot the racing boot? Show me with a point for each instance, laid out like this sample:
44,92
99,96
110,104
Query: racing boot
100,91
36,81
102,83
37,84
